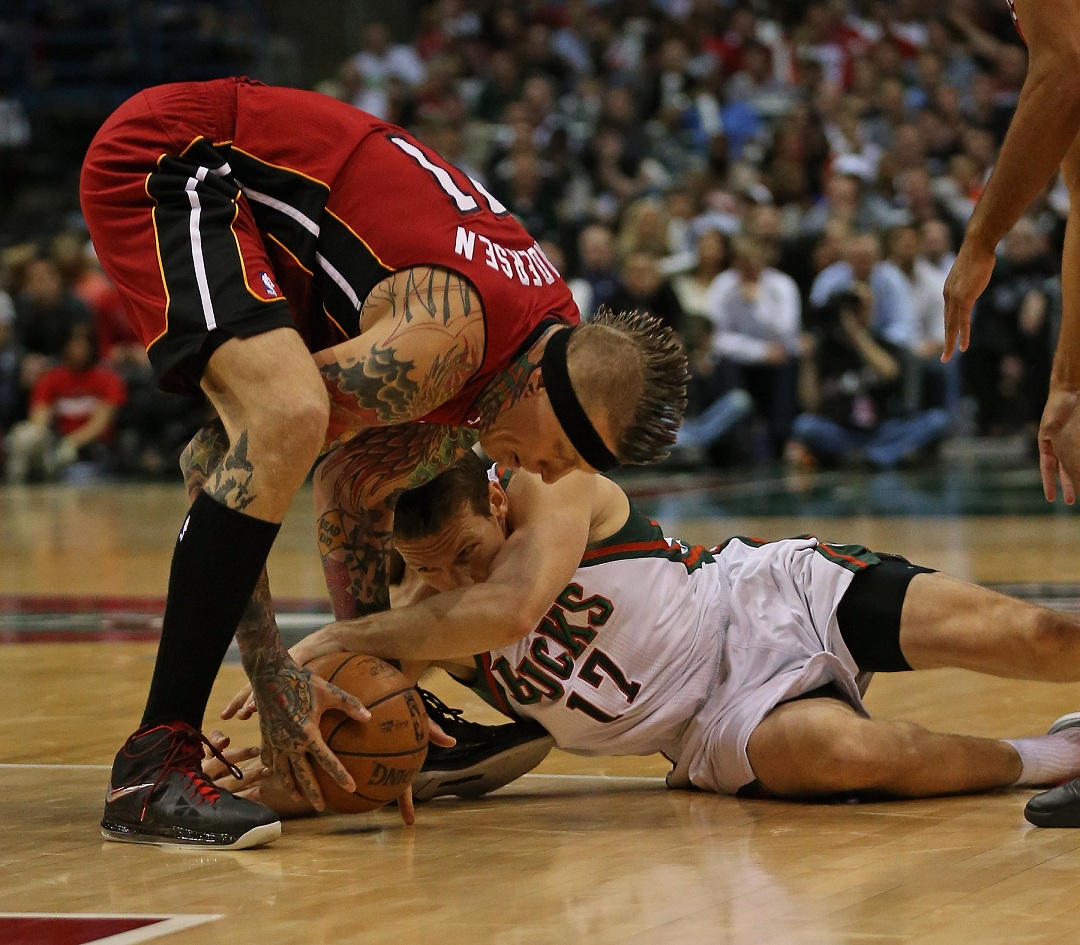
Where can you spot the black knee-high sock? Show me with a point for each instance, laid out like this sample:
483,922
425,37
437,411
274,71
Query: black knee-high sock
218,557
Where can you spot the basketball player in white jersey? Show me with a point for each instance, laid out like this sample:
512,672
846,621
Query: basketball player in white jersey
738,662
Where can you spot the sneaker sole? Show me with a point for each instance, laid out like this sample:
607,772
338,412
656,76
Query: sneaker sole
1070,720
256,836
485,776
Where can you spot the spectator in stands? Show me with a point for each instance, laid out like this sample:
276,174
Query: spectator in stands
613,155
72,408
499,88
46,311
116,339
851,388
929,382
937,245
756,317
710,259
644,229
527,188
892,316
1007,365
597,274
759,83
642,287
915,196
12,400
378,64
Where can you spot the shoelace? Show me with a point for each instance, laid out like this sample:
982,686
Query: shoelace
185,755
447,718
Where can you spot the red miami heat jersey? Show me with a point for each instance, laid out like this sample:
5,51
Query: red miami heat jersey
380,201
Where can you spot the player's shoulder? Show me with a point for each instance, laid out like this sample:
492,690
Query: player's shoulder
595,496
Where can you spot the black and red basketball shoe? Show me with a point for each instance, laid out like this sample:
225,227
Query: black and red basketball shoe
158,794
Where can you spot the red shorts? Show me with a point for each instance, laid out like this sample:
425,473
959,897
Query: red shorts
173,230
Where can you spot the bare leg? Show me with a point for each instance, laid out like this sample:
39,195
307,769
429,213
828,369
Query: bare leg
274,409
949,622
822,746
242,472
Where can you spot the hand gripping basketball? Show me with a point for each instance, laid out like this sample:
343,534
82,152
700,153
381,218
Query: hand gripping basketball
291,701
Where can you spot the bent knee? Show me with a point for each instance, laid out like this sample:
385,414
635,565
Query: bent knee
846,763
270,384
293,424
862,758
1054,641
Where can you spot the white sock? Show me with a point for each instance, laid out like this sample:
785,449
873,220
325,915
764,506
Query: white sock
1048,759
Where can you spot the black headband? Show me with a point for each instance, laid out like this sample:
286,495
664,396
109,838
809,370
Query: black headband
568,410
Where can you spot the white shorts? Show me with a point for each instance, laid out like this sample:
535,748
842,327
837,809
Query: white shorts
783,642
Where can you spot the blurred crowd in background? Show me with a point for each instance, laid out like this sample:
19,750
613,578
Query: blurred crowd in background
784,183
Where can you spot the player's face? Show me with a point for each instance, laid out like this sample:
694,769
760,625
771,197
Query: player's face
460,553
529,437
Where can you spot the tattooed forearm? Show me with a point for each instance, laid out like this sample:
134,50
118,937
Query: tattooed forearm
282,689
355,546
257,635
356,487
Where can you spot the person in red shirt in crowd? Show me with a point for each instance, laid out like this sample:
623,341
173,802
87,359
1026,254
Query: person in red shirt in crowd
117,341
72,407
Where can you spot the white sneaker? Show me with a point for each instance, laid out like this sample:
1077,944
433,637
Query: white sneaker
1070,720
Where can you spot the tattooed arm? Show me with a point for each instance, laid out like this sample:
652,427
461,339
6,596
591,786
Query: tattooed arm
421,339
355,490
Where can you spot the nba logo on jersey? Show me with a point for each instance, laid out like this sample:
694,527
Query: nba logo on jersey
271,289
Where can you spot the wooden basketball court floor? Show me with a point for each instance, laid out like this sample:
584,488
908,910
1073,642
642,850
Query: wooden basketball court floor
582,851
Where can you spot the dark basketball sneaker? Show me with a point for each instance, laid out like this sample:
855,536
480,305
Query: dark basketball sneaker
158,794
486,757
1060,806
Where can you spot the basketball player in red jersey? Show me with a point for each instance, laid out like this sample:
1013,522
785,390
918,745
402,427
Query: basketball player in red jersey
331,285
1043,135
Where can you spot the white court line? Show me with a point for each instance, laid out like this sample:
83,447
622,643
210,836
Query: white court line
70,767
166,926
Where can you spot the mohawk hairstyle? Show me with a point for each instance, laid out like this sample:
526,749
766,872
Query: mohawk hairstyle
633,367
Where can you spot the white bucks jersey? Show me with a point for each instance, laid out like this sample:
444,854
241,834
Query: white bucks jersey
627,653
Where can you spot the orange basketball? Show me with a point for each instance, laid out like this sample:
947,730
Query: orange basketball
385,753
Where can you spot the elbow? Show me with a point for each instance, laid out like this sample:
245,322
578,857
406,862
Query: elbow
513,627
1060,77
514,618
